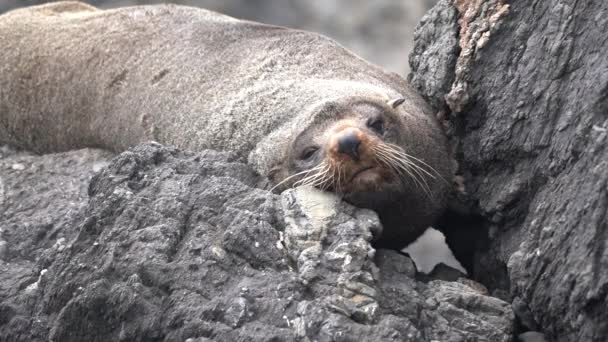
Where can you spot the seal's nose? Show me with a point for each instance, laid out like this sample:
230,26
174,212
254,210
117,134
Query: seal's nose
349,144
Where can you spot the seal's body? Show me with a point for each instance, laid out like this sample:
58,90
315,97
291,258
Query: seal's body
73,76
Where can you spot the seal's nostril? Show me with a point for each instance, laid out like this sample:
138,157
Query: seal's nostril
349,145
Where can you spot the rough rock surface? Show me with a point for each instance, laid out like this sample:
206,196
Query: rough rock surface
180,246
527,109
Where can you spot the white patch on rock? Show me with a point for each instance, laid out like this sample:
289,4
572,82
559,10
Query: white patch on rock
3,249
2,196
34,286
98,166
280,241
218,251
18,167
319,205
59,244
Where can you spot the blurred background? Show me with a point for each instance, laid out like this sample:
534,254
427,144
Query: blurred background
380,31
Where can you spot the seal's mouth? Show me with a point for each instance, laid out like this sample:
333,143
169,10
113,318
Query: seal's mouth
360,171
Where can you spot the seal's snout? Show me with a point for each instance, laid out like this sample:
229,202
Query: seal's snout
348,144
352,159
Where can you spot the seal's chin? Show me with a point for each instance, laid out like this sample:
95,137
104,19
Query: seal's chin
365,179
368,179
371,190
363,173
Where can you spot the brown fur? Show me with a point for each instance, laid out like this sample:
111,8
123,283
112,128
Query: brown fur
72,76
406,206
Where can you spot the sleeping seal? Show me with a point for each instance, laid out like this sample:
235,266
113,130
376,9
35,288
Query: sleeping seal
298,106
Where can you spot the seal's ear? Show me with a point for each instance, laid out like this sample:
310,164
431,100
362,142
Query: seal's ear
394,103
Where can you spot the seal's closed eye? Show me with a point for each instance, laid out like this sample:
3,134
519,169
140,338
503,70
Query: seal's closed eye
308,152
376,124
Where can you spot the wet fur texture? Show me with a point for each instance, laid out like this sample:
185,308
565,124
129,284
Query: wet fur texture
73,76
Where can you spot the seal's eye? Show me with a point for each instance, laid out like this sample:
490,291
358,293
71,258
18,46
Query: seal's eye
376,124
308,152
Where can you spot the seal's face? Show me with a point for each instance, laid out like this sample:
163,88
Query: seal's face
358,150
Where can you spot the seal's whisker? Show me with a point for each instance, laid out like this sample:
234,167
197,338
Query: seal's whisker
307,174
401,169
335,176
421,176
412,161
396,162
295,175
402,165
321,180
308,180
416,166
339,180
410,157
312,179
287,179
406,163
329,179
321,177
332,180
406,158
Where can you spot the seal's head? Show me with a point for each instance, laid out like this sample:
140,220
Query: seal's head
347,149
376,155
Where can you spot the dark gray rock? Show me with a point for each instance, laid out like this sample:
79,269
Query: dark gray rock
532,336
529,101
41,200
442,271
176,246
457,310
433,57
523,314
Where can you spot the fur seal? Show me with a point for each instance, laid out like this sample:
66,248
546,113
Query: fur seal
297,105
